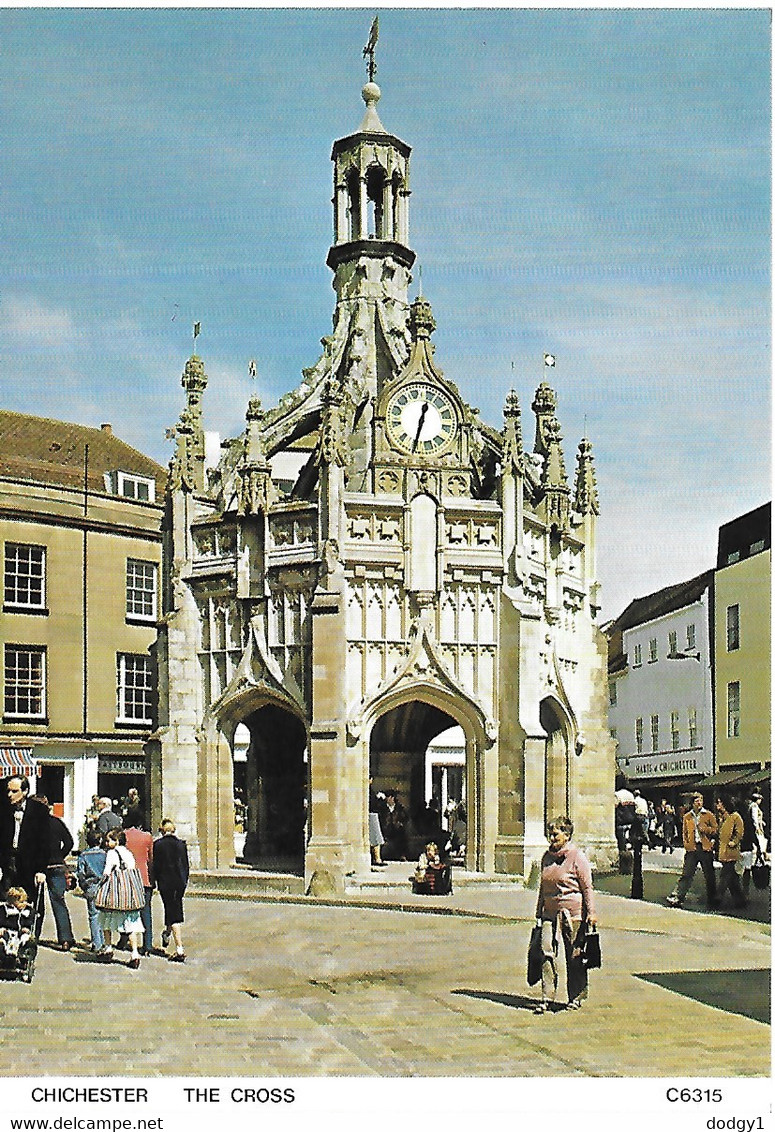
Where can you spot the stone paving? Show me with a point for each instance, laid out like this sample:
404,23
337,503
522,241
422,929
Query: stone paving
291,987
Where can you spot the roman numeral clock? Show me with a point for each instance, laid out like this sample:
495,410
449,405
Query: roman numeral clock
421,420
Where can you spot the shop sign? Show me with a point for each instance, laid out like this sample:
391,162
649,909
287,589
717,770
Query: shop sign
662,766
106,765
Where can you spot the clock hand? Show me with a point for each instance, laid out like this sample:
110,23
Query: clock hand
420,423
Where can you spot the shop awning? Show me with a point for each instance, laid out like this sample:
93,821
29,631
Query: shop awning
725,778
739,777
16,760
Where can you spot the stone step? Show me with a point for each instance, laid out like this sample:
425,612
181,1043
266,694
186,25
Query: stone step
243,882
400,876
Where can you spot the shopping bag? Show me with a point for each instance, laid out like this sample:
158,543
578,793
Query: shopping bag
535,957
590,952
121,890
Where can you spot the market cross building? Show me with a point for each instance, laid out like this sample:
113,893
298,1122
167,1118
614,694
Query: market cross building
367,566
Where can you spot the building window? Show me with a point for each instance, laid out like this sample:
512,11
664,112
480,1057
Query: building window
733,710
638,656
675,730
692,727
733,627
612,693
652,650
655,733
135,689
672,643
142,488
757,547
733,556
691,637
639,736
25,682
613,735
25,576
141,590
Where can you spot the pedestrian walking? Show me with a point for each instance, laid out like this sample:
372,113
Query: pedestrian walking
730,838
58,874
699,838
565,908
89,870
170,870
24,841
118,857
139,842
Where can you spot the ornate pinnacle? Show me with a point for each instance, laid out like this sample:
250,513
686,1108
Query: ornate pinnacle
513,453
545,400
585,494
333,442
421,321
194,379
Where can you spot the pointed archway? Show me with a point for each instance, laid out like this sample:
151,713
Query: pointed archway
275,790
398,749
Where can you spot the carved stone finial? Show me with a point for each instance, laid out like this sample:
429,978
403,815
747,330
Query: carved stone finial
511,406
194,379
545,400
513,452
254,411
585,493
421,321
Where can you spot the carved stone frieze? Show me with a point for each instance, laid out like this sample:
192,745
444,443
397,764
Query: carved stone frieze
456,484
389,482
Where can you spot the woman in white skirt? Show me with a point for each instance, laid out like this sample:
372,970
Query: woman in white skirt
127,922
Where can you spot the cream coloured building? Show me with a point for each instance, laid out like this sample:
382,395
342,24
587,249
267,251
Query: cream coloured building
743,650
369,565
80,538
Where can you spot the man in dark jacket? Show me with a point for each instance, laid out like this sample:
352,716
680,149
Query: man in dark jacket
170,871
24,839
60,845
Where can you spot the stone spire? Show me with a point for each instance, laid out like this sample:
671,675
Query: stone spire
255,473
548,444
188,463
585,499
513,452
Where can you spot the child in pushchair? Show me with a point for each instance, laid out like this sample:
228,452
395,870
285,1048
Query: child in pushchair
18,946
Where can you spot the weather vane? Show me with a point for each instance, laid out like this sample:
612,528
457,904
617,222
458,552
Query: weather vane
370,48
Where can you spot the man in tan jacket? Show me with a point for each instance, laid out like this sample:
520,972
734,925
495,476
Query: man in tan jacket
699,836
729,838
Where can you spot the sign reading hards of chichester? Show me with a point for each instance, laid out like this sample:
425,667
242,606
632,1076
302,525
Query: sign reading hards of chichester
421,419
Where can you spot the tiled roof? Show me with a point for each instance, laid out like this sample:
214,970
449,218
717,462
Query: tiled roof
52,452
644,609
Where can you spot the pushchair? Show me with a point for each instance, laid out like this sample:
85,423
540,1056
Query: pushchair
19,942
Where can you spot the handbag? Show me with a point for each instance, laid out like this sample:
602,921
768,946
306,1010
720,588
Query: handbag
590,950
760,872
121,890
535,957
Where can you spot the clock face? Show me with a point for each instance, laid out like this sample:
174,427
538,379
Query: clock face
421,419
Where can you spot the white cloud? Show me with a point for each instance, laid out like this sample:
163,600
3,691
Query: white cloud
31,322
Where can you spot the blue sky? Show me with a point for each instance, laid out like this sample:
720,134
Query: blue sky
594,183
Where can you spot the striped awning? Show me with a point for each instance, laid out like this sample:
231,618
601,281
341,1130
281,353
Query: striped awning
17,760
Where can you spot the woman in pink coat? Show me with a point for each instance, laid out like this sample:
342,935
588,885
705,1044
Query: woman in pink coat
566,905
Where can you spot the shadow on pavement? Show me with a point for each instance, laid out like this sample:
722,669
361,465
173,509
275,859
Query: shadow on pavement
657,885
744,992
515,1001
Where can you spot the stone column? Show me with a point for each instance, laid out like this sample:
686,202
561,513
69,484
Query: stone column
335,779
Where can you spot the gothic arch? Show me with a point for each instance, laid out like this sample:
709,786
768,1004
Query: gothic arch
561,734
